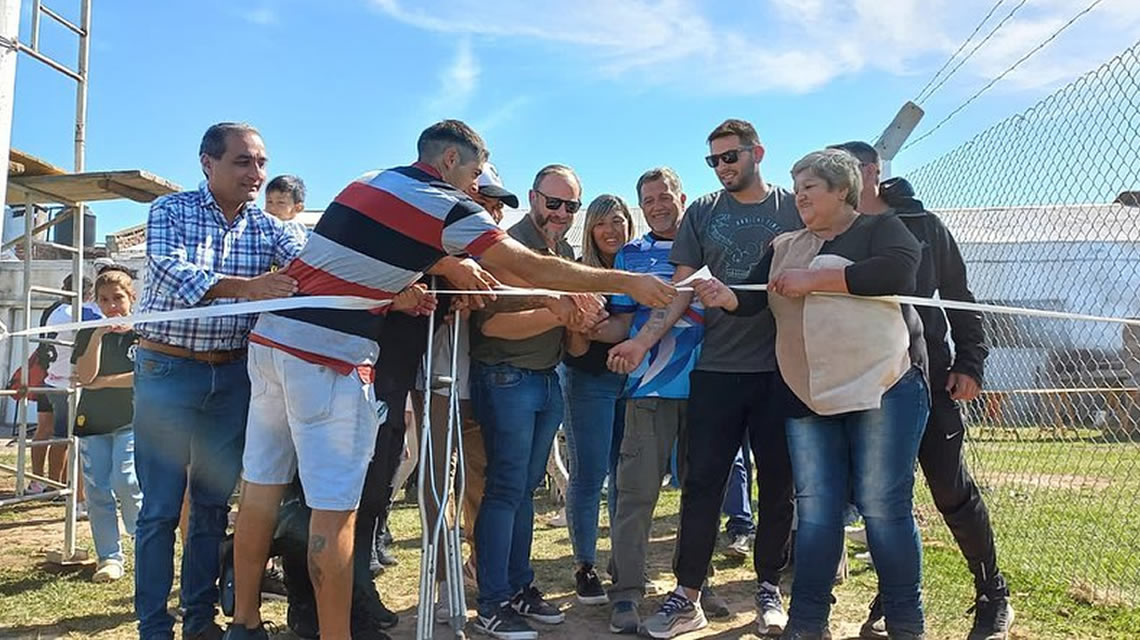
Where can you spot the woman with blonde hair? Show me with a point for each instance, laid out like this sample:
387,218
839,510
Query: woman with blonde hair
593,418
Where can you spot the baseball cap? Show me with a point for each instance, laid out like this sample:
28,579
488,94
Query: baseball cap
489,184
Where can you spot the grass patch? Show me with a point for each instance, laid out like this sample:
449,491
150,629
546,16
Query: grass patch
1070,549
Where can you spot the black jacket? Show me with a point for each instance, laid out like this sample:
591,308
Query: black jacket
941,270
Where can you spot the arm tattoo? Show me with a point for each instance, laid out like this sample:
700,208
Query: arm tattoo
656,319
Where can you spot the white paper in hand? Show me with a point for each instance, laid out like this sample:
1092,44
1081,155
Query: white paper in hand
701,274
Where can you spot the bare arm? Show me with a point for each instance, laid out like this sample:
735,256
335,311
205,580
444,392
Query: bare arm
614,329
520,325
264,287
627,356
577,344
556,273
662,320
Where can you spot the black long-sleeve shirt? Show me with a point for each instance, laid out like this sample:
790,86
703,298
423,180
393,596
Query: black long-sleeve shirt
941,270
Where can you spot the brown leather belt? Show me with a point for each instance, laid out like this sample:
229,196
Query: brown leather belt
212,357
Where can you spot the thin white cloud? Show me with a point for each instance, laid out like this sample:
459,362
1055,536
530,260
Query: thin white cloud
458,82
501,114
262,16
781,45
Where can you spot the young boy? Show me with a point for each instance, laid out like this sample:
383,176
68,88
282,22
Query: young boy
284,199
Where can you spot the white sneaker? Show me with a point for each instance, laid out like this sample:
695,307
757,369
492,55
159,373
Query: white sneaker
81,511
34,487
108,571
559,520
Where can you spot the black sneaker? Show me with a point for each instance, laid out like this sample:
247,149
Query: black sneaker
503,622
211,632
714,605
992,618
875,627
240,632
363,628
273,584
301,618
385,556
588,586
366,604
800,634
530,604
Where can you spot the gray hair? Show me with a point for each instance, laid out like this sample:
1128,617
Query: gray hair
214,140
837,168
668,176
559,169
451,133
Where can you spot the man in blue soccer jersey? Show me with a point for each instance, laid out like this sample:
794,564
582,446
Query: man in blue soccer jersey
658,390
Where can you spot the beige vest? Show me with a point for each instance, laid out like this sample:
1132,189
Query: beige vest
836,353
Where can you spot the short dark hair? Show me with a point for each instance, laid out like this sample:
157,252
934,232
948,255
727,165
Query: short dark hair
292,185
862,151
734,127
451,133
214,140
87,290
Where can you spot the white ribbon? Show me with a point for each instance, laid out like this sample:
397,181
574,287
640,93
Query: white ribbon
358,303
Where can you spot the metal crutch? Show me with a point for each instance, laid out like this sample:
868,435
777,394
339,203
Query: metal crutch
431,532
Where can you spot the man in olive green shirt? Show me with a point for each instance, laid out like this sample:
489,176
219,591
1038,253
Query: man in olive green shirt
518,402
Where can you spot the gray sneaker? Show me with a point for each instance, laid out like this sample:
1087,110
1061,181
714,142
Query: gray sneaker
739,546
677,615
624,617
770,616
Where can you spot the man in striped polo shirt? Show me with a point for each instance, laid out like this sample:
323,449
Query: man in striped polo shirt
312,409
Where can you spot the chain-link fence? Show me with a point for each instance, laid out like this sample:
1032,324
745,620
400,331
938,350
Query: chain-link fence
1046,209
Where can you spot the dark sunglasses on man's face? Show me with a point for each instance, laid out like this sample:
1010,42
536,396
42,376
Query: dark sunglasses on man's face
728,157
552,203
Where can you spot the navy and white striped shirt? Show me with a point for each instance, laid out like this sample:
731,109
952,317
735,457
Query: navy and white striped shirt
189,248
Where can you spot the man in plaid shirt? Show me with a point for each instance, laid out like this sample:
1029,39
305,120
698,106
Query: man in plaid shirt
209,246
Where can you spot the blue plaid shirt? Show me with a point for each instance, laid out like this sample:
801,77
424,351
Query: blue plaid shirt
189,248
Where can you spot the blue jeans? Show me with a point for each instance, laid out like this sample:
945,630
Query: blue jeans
519,411
187,414
737,503
591,404
109,473
872,452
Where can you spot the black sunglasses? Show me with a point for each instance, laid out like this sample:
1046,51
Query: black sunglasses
552,203
728,157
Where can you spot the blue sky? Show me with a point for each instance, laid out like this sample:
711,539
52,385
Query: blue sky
610,87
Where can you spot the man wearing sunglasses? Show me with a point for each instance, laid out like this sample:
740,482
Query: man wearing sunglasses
735,390
517,399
